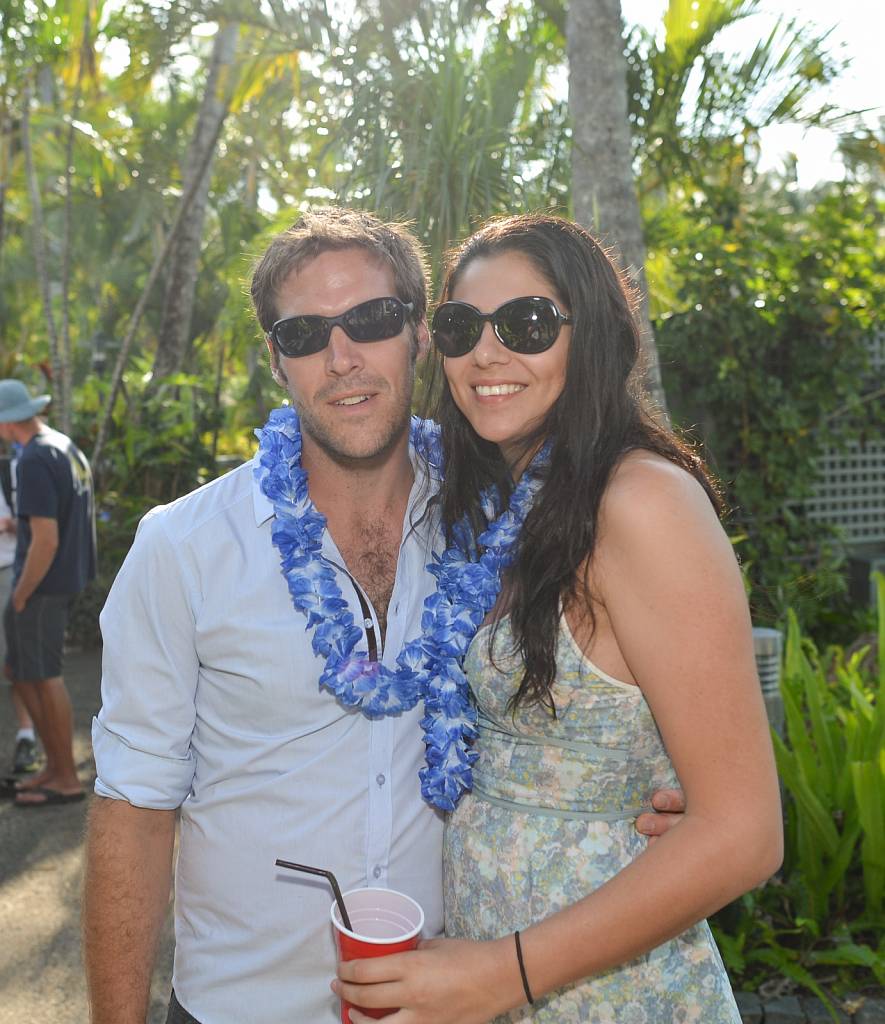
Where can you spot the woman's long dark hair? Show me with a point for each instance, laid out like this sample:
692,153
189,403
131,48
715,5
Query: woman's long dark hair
599,417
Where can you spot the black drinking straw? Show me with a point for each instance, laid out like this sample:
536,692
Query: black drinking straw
333,881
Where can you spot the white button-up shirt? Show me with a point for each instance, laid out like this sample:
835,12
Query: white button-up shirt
210,702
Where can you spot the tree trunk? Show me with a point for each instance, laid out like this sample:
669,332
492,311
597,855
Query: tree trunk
603,189
135,319
184,261
5,161
86,61
60,412
66,361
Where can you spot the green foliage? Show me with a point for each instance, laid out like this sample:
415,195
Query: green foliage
821,918
479,133
696,109
833,766
161,447
442,113
765,357
445,113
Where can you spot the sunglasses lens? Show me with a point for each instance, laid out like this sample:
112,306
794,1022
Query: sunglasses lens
527,326
456,328
375,320
301,335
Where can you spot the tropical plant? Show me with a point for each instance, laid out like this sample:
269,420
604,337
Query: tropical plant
820,922
254,61
832,762
155,458
439,112
439,117
50,67
765,356
697,107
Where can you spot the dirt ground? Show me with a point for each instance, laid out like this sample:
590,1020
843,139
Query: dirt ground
41,871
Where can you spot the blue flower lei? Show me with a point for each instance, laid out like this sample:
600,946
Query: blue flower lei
429,666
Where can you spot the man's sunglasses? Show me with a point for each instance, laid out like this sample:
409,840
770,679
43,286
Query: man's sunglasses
526,325
375,320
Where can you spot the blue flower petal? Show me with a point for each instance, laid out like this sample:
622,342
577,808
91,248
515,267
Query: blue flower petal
467,587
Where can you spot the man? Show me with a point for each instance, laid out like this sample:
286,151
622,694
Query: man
24,758
210,695
54,560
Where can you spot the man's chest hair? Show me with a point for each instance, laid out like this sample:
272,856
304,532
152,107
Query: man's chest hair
370,553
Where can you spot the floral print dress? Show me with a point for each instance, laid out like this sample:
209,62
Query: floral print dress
551,818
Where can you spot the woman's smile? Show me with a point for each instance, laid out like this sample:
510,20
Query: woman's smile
505,394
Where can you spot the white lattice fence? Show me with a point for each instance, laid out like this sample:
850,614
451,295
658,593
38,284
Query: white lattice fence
850,492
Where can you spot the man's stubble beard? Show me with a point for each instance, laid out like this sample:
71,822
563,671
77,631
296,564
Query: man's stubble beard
334,444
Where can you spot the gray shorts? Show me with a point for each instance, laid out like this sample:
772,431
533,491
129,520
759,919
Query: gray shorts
35,638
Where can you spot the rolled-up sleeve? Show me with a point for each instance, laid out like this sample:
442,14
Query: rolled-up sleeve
141,737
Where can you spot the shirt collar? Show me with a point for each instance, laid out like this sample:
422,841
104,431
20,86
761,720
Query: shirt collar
261,504
424,489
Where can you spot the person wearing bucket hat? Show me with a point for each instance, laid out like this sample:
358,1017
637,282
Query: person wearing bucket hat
54,560
16,404
25,758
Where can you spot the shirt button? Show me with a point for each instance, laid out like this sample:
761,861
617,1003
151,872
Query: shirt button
380,779
368,623
376,871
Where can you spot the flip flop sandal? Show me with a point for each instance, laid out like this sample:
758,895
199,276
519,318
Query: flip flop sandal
51,797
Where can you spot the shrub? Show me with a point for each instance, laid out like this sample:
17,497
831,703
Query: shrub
820,922
764,356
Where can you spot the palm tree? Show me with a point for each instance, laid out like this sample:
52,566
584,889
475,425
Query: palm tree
603,184
184,255
253,53
694,106
696,110
676,114
439,126
47,76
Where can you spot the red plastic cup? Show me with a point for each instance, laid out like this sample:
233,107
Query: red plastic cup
384,922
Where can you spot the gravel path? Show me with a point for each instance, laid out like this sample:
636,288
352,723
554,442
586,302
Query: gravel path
41,870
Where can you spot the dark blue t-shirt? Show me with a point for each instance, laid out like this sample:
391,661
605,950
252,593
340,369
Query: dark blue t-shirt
55,482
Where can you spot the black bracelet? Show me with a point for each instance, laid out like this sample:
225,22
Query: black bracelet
525,980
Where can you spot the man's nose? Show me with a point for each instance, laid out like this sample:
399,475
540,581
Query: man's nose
343,354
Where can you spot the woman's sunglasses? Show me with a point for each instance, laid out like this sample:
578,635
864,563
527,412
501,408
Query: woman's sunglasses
526,325
375,320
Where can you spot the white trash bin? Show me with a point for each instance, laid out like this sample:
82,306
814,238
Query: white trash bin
768,645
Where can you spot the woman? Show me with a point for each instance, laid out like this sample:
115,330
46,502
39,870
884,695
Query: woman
617,659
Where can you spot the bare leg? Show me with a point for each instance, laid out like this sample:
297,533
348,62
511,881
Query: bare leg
54,722
59,731
22,718
28,696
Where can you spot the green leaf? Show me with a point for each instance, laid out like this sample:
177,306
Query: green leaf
814,811
869,789
785,962
879,580
851,954
822,733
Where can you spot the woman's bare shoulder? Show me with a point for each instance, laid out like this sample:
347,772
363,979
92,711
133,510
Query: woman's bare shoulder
646,487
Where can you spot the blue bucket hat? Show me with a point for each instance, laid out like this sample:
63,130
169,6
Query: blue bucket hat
16,404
